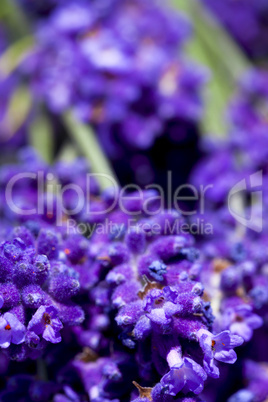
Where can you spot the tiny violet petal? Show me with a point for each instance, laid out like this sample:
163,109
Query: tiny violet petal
5,335
18,330
51,335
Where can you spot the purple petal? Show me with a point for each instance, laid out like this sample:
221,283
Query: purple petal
206,345
242,329
187,377
236,340
195,377
50,335
37,324
243,395
56,324
17,328
175,381
211,368
5,335
226,356
228,340
254,321
51,311
158,316
243,309
171,309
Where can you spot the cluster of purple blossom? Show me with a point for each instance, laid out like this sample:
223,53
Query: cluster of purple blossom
119,66
12,132
133,305
236,256
127,314
36,289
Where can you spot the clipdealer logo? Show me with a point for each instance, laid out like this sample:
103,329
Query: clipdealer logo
253,186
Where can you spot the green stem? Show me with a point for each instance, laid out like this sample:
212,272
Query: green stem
14,19
67,153
15,54
218,40
212,46
18,111
85,139
215,95
41,136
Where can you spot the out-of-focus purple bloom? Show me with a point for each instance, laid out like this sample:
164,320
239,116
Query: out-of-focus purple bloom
241,320
256,378
134,79
243,395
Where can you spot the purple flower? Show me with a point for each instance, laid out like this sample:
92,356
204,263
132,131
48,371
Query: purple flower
11,330
240,320
255,376
130,85
45,322
218,347
185,375
157,270
159,310
242,395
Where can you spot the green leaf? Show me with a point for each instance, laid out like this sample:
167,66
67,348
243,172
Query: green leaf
68,152
212,47
41,137
17,112
84,136
15,54
14,19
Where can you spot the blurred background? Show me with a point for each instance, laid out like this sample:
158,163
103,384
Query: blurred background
154,82
151,80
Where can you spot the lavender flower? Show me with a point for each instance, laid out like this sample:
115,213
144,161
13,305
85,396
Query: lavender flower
133,79
218,347
185,375
127,304
241,321
35,292
235,263
45,322
156,296
140,288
